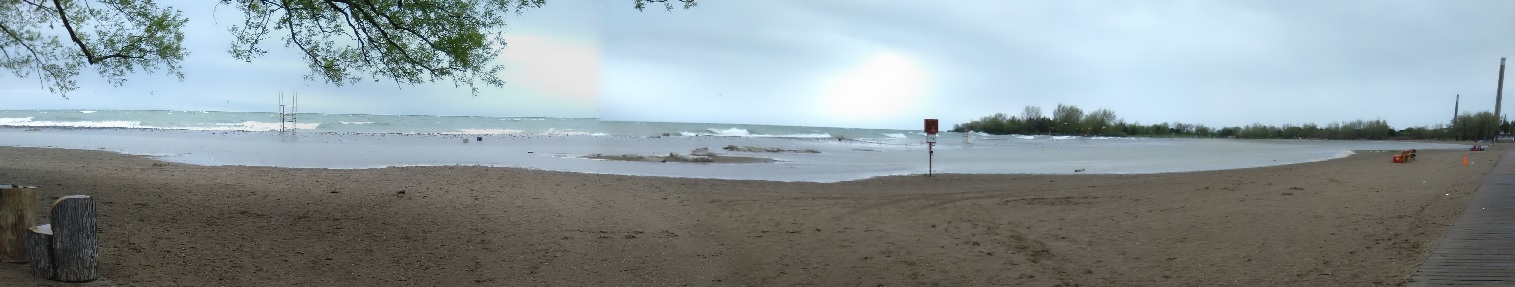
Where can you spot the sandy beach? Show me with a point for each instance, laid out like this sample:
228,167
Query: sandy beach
1357,221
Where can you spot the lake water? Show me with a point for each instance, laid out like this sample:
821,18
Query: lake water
370,141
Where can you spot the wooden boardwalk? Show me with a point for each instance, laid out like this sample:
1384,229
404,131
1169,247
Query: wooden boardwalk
1479,248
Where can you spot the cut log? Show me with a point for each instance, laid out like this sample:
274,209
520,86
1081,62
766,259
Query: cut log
39,242
76,243
18,211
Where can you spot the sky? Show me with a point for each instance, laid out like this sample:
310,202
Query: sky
891,63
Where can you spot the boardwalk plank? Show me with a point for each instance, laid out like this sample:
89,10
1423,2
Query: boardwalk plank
1479,248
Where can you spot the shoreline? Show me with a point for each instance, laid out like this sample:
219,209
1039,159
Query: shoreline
761,158
1358,220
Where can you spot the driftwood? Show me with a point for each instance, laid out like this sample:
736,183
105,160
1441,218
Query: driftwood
39,241
76,243
18,211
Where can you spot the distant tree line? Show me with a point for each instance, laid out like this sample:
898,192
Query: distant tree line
1071,120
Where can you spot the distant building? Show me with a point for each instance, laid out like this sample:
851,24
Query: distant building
1504,137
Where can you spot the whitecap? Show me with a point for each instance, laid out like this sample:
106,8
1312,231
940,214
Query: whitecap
738,132
251,126
28,122
731,132
806,136
6,121
487,132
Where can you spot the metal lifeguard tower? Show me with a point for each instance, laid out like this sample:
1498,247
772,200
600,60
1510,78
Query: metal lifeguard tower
288,119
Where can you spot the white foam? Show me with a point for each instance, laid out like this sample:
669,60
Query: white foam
28,122
250,126
738,132
243,126
487,132
895,135
556,132
7,121
573,133
1064,137
817,136
356,123
731,132
87,112
1026,137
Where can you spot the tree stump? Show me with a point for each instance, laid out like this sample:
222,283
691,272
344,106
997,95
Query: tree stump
39,242
76,243
18,211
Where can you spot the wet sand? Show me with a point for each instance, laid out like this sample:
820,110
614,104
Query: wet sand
1357,221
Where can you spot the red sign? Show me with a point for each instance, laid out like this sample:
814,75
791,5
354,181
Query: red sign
931,126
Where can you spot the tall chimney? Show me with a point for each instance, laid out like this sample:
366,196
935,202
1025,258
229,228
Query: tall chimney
1454,108
1499,93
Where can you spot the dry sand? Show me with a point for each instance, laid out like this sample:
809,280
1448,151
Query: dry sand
1358,221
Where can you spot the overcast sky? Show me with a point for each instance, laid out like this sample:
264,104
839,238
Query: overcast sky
888,64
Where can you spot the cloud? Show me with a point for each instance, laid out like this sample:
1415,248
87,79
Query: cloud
1216,63
563,70
1219,63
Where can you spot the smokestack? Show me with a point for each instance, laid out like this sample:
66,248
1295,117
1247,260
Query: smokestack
1499,93
1454,108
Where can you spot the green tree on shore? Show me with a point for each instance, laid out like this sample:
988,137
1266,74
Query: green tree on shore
1475,126
1031,120
341,41
1071,120
1068,119
1099,121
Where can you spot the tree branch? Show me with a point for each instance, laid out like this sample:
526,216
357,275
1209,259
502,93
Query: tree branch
357,34
384,34
14,36
116,55
396,25
90,55
293,37
38,4
72,35
17,37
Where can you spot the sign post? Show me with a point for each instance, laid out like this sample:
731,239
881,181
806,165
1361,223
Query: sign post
930,147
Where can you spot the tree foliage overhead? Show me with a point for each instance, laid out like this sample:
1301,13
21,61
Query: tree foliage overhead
667,4
411,42
341,41
53,39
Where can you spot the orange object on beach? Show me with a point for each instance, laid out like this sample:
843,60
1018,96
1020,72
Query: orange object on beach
1465,160
1398,159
